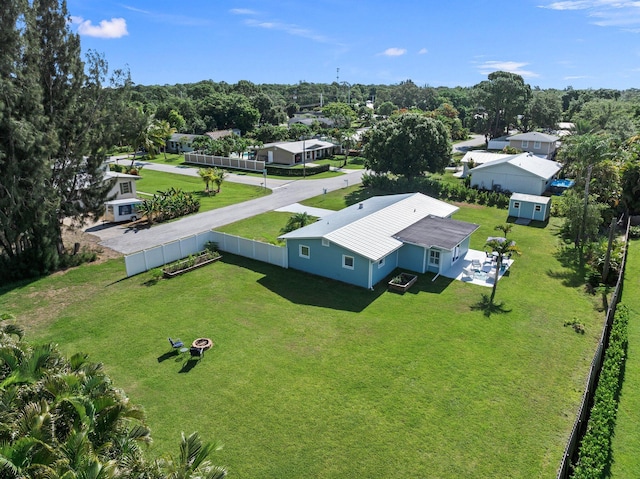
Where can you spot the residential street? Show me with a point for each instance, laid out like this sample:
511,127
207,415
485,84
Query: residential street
128,240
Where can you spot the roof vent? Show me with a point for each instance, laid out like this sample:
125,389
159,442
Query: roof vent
360,206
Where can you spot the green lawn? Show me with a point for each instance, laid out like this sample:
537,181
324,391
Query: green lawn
264,227
230,193
626,442
313,378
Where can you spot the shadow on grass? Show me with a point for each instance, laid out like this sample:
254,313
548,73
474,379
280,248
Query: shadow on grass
167,355
573,276
308,289
188,366
532,224
488,308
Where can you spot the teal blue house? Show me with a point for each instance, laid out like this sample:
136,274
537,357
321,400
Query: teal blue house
363,243
529,207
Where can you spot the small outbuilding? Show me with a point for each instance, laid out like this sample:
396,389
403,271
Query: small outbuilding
530,207
122,210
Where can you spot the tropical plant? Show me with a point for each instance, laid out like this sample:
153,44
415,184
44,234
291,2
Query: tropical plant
219,177
296,221
502,246
208,175
192,463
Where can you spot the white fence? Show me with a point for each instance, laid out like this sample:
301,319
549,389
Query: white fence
267,253
160,255
236,163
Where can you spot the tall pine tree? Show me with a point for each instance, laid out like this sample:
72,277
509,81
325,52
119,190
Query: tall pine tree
55,122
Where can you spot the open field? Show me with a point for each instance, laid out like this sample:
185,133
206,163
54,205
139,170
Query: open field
313,378
626,441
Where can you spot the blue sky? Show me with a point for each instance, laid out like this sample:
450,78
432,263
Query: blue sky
552,44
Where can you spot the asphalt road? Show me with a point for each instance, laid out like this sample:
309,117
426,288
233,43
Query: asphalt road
126,240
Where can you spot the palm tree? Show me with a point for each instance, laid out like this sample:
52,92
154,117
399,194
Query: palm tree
192,461
208,176
219,177
164,130
296,221
503,246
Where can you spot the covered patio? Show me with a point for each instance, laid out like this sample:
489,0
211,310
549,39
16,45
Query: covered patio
477,267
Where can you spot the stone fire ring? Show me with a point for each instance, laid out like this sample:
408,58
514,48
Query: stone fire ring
202,343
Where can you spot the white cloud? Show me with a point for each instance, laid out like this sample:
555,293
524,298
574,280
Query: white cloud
114,28
511,67
394,52
605,13
575,77
243,11
423,51
288,28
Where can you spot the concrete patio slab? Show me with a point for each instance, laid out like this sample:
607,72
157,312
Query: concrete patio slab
484,276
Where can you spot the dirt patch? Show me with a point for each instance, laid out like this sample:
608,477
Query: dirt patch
73,234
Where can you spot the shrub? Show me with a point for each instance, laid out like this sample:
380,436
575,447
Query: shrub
634,232
595,448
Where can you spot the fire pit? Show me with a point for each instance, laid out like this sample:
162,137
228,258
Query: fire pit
202,343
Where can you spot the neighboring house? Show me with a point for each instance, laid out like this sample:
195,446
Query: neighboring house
122,204
477,158
363,243
498,143
310,120
124,185
530,207
216,135
292,152
523,173
535,142
180,142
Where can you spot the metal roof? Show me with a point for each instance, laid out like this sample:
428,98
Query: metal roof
296,147
367,228
437,232
527,162
530,198
535,136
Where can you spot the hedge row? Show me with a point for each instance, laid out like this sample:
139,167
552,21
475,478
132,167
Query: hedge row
288,171
595,448
437,189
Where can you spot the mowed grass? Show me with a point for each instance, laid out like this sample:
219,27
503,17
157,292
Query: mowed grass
626,441
313,378
230,193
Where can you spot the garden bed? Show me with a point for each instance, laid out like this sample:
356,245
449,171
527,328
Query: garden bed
190,263
402,282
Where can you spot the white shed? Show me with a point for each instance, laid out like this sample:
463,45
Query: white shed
122,210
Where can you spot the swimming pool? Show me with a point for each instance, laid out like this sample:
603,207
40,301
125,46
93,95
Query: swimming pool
564,183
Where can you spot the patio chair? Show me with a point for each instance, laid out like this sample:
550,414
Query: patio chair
477,265
176,343
196,352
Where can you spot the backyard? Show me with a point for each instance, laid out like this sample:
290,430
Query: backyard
313,378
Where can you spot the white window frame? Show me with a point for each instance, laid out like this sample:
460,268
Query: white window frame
538,208
325,242
125,185
516,205
434,257
344,262
537,145
301,254
381,262
525,143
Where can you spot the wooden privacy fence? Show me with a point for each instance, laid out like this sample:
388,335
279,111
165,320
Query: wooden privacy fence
580,424
162,254
197,158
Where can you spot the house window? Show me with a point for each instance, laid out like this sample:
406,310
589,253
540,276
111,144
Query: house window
536,145
303,251
538,207
434,257
381,263
525,143
347,261
125,188
325,242
516,205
